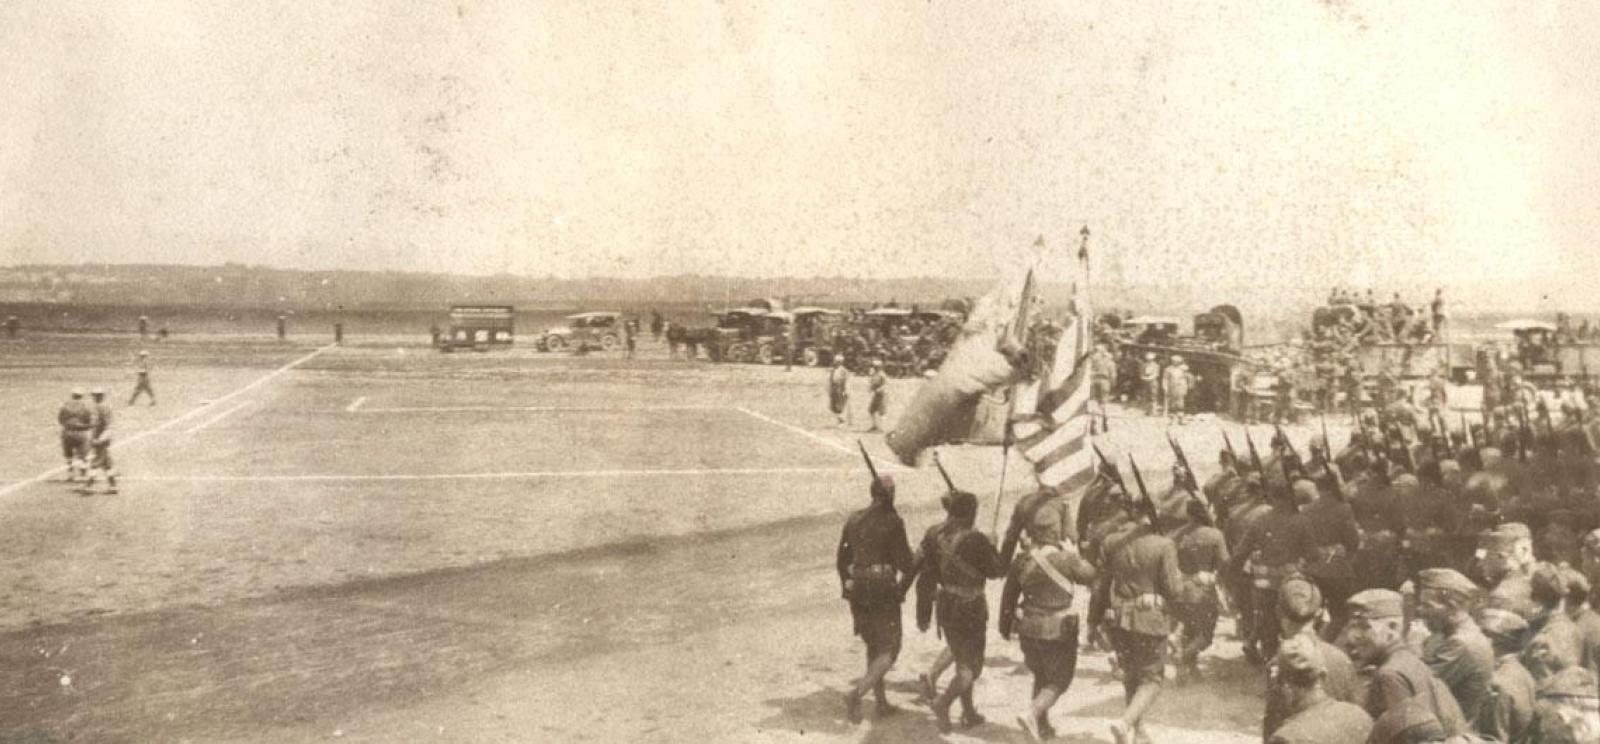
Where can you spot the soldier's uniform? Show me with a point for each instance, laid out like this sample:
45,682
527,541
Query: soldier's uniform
1409,722
77,424
961,560
1103,371
1143,583
1175,383
1335,538
1400,675
100,442
1298,596
1150,384
1514,591
838,390
872,557
1036,605
877,388
1273,548
1461,657
1510,718
1568,710
1377,561
1202,556
1555,643
1322,719
1044,509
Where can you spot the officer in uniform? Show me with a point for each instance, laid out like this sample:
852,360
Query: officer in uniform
1202,556
1510,717
838,389
141,385
1141,582
1299,608
1103,374
1505,560
1036,605
100,442
961,561
1312,715
77,423
1459,653
874,563
1375,640
878,390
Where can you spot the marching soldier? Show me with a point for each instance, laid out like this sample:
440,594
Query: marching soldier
1312,715
1036,605
1335,538
1274,548
963,560
141,385
873,555
1202,556
77,422
1459,654
1044,509
1142,582
100,443
1375,639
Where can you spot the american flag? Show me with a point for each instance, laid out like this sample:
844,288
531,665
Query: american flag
1051,421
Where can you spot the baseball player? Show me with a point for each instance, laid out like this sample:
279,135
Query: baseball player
100,443
77,420
141,369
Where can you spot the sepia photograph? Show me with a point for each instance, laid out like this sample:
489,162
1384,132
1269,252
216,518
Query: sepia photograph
1214,372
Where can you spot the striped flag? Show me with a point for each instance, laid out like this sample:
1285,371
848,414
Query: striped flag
1051,424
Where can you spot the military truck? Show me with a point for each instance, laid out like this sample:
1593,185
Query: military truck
1546,354
478,327
1213,352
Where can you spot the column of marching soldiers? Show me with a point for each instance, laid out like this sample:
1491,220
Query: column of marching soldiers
1423,584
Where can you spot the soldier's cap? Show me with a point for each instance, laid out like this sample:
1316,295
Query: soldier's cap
1504,536
77,392
1376,604
1410,721
1299,660
1446,580
1591,542
1503,624
1299,598
1572,682
98,391
1305,491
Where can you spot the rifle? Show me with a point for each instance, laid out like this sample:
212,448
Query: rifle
1111,469
1327,444
1238,467
1146,504
868,458
1290,456
1255,457
950,484
1188,475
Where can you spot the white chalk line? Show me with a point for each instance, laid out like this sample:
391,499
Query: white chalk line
515,475
264,379
815,437
355,404
534,409
216,418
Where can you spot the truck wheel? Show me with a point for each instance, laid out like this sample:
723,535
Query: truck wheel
811,358
609,342
555,343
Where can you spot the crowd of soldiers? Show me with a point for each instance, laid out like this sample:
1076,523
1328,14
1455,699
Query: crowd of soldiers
1425,583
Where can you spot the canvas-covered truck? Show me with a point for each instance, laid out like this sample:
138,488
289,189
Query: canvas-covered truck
478,327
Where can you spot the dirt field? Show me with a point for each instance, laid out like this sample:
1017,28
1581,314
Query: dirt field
390,544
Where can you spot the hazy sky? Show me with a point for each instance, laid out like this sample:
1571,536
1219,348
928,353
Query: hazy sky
1449,140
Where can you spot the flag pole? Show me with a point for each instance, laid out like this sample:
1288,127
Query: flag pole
1019,332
